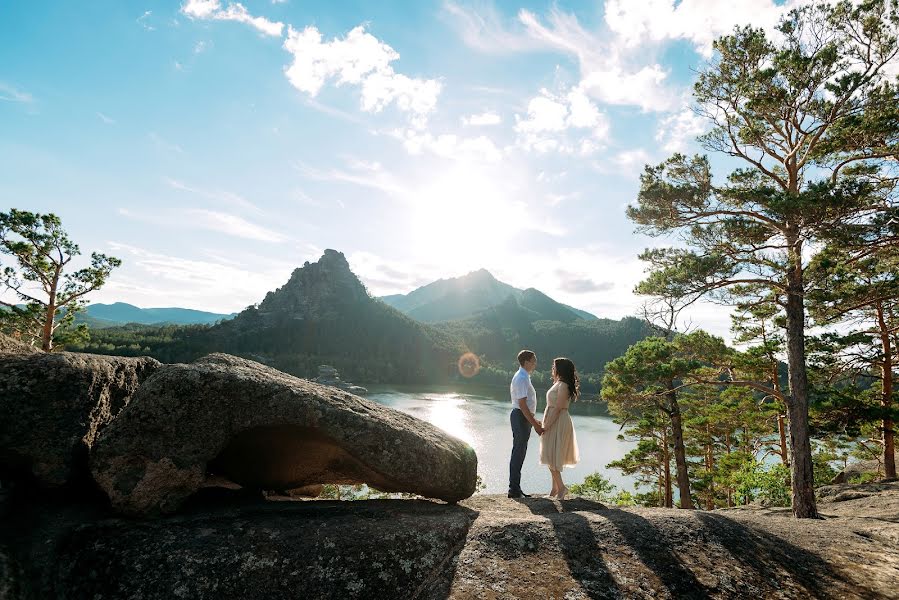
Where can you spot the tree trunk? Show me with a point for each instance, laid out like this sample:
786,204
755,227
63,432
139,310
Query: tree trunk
710,468
680,453
666,465
730,492
886,397
802,471
782,430
781,417
47,333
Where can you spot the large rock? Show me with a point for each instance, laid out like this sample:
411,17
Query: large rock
263,428
379,549
11,345
484,547
53,406
859,468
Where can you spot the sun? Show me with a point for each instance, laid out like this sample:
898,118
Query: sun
462,216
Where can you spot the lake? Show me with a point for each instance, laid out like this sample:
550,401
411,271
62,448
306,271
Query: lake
480,417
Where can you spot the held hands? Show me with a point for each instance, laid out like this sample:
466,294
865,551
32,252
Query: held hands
539,429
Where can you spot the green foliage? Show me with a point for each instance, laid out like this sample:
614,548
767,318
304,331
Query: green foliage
358,491
49,294
811,114
863,478
498,334
624,498
766,483
595,487
822,460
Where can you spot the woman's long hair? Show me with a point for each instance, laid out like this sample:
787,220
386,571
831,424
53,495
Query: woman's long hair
566,372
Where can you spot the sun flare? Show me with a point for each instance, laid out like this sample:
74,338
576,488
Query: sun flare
462,216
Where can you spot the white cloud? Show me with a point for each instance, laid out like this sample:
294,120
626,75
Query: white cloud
142,20
578,283
607,74
221,285
484,30
631,161
677,130
9,93
550,116
232,225
699,21
485,118
216,196
383,276
370,175
449,145
209,220
105,119
235,11
358,59
645,87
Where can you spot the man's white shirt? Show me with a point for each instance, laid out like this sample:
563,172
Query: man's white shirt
520,387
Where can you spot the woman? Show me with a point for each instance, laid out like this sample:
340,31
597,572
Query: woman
558,444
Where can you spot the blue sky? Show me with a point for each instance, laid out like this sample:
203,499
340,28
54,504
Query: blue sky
214,146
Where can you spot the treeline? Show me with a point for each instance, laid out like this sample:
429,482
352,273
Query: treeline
366,344
499,333
367,352
802,236
709,423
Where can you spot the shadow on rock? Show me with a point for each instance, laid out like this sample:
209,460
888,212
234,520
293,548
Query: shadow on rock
656,553
771,557
578,542
322,549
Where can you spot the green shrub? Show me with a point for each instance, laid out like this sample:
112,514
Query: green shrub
595,487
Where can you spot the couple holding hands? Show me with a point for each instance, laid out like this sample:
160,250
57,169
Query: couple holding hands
558,443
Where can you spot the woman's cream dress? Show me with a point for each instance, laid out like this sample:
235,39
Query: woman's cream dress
558,445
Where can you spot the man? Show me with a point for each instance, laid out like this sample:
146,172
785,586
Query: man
524,405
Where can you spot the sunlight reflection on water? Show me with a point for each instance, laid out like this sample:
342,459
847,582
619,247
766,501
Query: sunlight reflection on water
482,420
446,411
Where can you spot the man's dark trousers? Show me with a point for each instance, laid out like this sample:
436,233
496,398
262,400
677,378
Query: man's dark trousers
521,433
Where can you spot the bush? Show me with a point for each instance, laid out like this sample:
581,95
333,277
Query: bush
624,498
768,483
863,478
595,487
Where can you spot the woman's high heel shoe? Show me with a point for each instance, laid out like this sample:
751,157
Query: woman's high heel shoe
563,493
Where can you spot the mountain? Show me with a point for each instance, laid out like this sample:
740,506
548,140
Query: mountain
323,314
106,315
499,332
466,296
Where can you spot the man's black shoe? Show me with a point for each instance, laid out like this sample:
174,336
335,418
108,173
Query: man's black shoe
518,495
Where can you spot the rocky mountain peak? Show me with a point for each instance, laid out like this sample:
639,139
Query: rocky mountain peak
317,289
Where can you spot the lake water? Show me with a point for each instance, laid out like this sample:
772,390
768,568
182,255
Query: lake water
481,418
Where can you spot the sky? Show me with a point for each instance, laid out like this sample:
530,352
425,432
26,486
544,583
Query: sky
214,146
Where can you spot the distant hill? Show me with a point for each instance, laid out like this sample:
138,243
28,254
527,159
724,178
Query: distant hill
499,332
118,313
466,296
324,315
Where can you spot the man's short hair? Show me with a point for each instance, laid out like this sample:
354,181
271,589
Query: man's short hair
524,356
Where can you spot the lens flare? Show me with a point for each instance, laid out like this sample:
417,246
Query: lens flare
469,365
